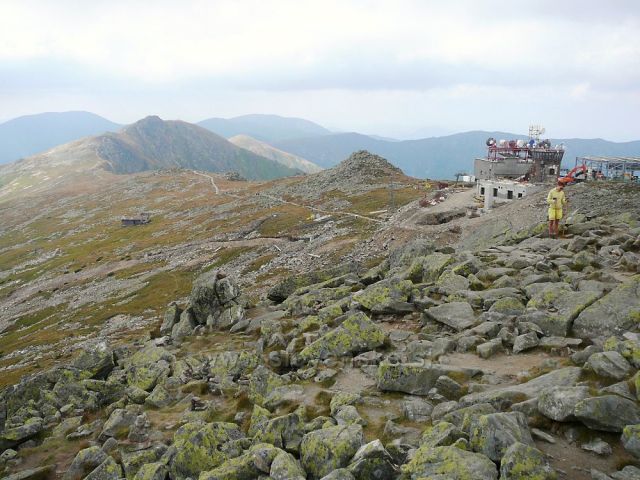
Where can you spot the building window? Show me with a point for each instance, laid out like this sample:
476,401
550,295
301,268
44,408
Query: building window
552,171
520,195
510,194
495,192
481,190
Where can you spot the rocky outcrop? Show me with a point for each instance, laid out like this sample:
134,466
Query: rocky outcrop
615,313
215,300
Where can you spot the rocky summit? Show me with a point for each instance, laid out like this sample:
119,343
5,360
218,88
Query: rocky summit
492,355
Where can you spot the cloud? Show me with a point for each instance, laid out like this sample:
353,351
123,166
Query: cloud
353,64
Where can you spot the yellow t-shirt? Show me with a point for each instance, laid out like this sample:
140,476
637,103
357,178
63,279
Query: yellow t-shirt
556,199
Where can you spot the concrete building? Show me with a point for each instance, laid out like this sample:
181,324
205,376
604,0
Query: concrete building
502,190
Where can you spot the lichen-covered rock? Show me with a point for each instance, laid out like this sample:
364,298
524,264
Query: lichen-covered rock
170,318
184,327
524,462
450,282
489,349
158,398
560,307
200,447
107,470
132,461
250,465
387,296
628,348
631,439
38,473
417,378
609,365
96,361
462,417
503,397
285,431
152,471
118,424
288,285
614,313
609,413
14,436
308,302
339,474
525,341
558,403
356,334
440,435
215,300
492,434
328,449
147,366
84,462
341,399
372,461
508,306
428,268
263,384
450,463
286,467
457,315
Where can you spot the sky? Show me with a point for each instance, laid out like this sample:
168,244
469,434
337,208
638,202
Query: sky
400,68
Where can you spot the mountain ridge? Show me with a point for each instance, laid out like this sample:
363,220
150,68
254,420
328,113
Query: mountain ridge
31,134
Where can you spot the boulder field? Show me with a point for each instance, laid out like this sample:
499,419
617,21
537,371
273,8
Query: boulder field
433,364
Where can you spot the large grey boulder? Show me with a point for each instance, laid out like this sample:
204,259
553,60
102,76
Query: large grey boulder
416,378
328,449
525,341
631,439
428,268
84,462
357,333
387,296
457,315
214,300
609,365
525,462
170,318
372,461
494,433
97,360
504,397
286,467
200,447
560,306
14,436
450,463
609,413
558,403
615,313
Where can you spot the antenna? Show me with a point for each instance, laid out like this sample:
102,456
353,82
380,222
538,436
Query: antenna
535,132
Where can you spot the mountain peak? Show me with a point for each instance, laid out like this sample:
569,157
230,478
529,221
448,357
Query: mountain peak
366,164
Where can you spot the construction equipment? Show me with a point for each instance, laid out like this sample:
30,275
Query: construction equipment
576,174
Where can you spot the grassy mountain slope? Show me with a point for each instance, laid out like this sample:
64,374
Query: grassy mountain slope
152,144
149,144
267,128
265,150
31,134
436,157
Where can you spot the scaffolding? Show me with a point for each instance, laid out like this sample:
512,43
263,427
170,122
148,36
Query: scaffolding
619,168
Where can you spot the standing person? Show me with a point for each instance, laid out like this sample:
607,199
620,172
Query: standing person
556,200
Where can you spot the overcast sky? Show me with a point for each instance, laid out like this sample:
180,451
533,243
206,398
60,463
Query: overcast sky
395,68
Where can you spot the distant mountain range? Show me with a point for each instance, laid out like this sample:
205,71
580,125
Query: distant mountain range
436,157
31,134
267,128
152,144
273,137
265,150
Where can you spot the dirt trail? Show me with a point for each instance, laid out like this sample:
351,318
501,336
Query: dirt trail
211,179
